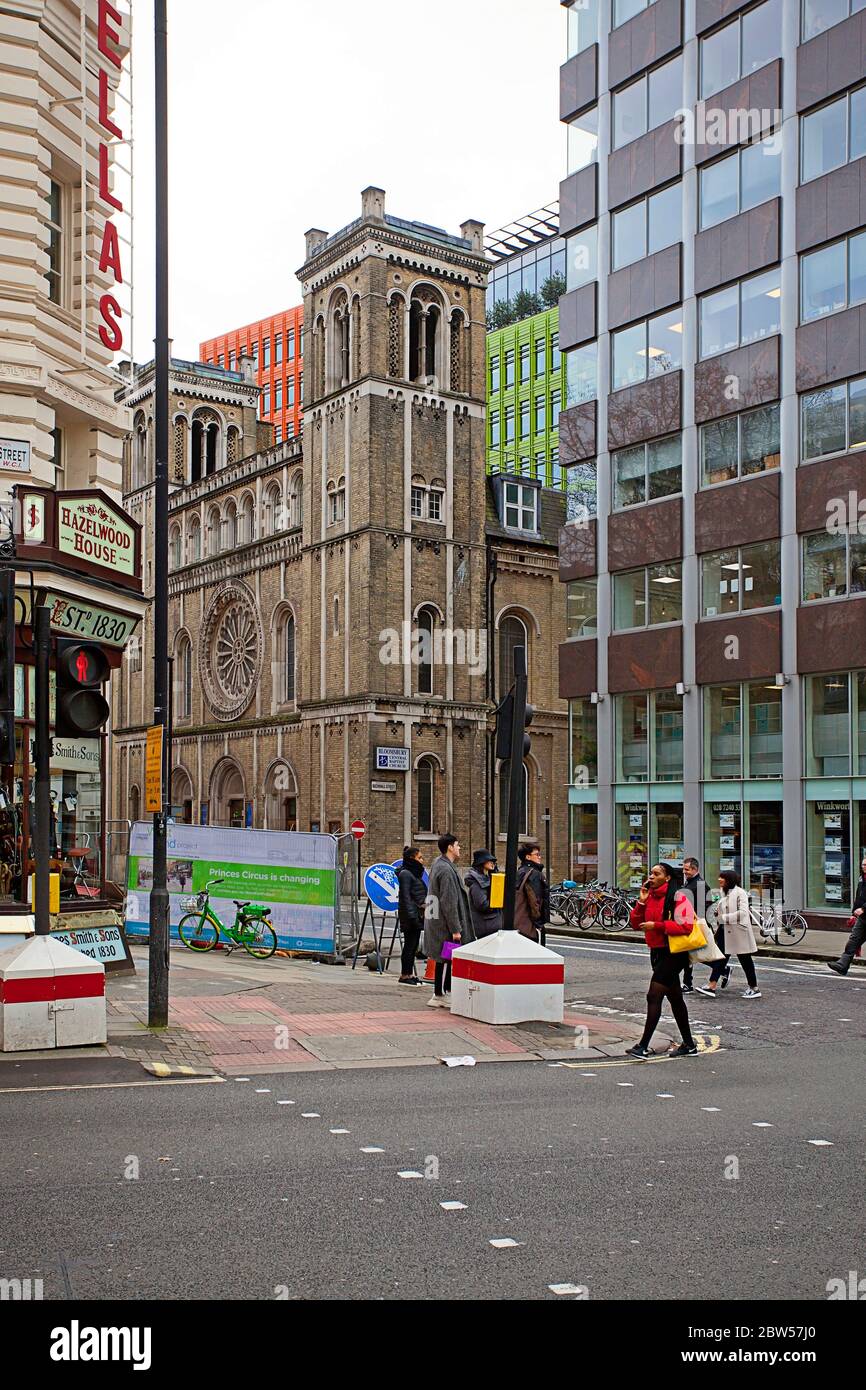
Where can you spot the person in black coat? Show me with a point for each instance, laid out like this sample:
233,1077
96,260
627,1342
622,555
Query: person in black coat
413,895
858,933
695,888
485,919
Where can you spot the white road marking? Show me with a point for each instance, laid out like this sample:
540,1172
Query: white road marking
625,1083
664,1095
285,1102
263,1090
761,1124
310,1115
821,1143
409,1173
503,1244
711,1109
578,1289
453,1206
341,1131
372,1149
115,1085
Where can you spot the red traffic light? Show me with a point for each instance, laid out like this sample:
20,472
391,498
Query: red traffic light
82,664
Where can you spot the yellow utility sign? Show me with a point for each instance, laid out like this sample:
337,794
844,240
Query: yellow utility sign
153,770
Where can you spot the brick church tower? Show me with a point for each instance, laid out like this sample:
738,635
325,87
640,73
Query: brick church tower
394,637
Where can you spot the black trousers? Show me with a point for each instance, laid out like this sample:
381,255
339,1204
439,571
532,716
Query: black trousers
411,938
854,942
748,964
442,981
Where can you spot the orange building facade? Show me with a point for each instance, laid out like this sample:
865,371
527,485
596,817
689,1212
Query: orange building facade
276,345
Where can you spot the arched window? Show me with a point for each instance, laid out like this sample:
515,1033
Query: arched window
214,526
281,798
193,540
288,661
233,444
336,615
181,800
340,334
523,823
296,495
183,678
336,502
425,330
425,781
175,553
205,444
230,527
424,649
134,804
245,525
139,451
512,633
273,517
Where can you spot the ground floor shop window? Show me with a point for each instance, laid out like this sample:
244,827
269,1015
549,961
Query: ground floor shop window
583,857
745,837
835,845
646,834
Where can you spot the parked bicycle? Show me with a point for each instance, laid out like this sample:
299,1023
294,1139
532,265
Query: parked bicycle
784,926
201,928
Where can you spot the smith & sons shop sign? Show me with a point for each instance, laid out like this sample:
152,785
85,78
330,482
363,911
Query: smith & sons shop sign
83,531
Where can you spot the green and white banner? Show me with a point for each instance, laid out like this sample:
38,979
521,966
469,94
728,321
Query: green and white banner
295,874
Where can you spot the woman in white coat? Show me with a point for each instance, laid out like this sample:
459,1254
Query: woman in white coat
735,936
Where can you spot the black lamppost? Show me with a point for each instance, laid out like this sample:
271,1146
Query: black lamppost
159,900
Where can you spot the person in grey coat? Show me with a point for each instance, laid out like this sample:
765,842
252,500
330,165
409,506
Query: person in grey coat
447,915
735,936
485,919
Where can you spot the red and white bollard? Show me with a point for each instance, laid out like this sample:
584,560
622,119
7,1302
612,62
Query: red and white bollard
50,996
506,978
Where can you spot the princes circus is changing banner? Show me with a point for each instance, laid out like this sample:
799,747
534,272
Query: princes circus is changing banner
295,874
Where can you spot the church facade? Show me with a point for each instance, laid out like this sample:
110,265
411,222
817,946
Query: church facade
345,604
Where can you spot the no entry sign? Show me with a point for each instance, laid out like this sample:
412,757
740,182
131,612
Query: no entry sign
358,829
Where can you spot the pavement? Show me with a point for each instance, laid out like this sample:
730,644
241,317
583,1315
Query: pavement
235,1016
231,1016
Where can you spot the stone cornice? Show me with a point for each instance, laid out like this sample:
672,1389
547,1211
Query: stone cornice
379,239
199,387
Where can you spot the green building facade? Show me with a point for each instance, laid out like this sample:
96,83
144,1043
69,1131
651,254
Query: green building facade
526,389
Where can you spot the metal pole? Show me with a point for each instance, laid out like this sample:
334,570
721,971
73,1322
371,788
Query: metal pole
547,870
169,733
42,760
159,901
515,785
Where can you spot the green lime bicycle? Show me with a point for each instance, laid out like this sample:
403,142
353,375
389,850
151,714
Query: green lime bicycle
201,928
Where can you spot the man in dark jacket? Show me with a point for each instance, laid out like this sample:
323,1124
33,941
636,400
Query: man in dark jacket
485,919
858,933
695,888
532,900
410,912
446,916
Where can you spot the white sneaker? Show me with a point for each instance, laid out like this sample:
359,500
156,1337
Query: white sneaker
752,994
437,1002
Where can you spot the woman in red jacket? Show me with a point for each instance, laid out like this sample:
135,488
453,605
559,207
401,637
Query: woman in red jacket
662,910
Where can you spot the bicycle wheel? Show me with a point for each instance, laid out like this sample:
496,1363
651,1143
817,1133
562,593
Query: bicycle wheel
792,929
262,947
590,913
572,913
197,933
615,916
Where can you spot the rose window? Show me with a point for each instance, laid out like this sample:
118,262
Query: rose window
231,652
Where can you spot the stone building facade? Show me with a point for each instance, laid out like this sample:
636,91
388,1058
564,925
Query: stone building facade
359,588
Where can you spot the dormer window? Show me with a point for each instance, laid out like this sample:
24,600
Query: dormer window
521,507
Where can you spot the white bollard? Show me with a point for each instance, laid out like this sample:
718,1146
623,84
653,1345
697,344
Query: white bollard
506,978
50,996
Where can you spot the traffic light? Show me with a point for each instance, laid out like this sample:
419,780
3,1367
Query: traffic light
504,727
7,666
82,709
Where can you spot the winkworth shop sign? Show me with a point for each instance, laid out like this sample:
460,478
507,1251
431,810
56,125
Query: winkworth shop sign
294,873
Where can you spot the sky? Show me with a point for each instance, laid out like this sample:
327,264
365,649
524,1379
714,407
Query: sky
281,111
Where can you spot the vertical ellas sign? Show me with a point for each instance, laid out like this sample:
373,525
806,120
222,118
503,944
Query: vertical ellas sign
108,38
